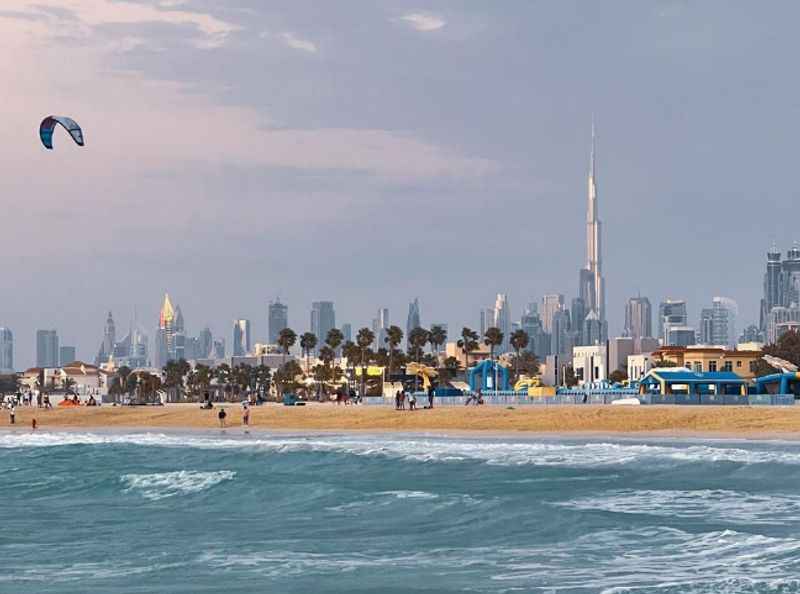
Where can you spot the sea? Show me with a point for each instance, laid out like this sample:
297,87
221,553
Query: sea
229,513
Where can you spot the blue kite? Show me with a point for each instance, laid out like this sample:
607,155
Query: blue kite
48,126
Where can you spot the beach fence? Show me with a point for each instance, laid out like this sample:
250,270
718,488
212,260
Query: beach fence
594,397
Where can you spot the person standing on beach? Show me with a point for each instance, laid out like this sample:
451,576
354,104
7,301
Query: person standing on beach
245,416
12,413
430,396
221,415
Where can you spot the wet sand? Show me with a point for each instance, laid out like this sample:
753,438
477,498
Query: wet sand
718,421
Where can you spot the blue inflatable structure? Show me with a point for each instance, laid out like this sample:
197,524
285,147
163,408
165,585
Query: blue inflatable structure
482,377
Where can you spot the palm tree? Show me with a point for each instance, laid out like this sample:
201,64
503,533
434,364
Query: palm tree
364,340
493,338
437,337
327,355
452,365
393,338
286,340
417,339
468,343
308,342
519,340
69,383
334,339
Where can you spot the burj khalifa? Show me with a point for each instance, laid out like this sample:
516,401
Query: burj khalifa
592,284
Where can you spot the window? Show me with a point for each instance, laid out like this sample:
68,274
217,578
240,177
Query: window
712,366
698,366
728,366
738,364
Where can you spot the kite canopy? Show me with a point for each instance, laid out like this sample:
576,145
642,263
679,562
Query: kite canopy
48,125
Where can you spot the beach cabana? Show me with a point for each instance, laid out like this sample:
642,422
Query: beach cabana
681,381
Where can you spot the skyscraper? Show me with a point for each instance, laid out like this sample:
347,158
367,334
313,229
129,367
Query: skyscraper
379,326
205,342
487,319
671,312
502,320
46,348
241,338
550,305
638,319
277,320
166,347
66,354
718,323
347,332
592,288
6,351
106,349
323,320
414,319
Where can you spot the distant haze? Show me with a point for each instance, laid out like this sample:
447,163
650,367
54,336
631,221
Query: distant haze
367,153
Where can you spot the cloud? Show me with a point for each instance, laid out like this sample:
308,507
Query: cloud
423,21
78,17
299,44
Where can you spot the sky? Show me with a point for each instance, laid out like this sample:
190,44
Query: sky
370,152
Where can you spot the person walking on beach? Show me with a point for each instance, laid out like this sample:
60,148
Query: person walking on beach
12,413
430,396
221,415
245,416
412,401
397,400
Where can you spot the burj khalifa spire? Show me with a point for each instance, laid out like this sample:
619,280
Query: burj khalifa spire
592,283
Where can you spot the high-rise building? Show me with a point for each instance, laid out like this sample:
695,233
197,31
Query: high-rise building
379,326
577,318
550,305
560,336
106,349
6,351
638,319
167,347
218,351
718,323
502,320
132,350
241,338
671,312
751,333
680,335
487,319
323,320
591,283
781,287
205,343
46,348
413,320
277,320
347,332
539,340
66,354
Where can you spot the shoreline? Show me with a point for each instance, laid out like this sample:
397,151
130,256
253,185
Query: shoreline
583,422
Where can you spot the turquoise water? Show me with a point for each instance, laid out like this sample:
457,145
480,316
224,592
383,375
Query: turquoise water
154,513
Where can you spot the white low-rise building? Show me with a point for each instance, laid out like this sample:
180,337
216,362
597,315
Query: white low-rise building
590,363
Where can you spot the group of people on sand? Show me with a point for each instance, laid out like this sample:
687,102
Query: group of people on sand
222,415
401,397
344,396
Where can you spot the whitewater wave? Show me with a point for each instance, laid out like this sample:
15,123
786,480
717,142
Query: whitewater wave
161,485
702,504
489,451
612,561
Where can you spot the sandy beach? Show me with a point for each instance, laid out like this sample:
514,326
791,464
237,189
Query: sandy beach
727,421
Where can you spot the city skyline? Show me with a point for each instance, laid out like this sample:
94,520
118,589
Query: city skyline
150,215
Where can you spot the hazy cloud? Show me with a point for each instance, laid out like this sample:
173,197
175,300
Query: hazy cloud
297,43
80,16
423,21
